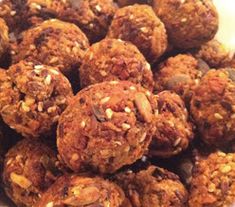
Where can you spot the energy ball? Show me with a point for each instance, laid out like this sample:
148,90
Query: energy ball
189,23
180,74
93,17
74,190
213,182
36,11
215,54
113,59
213,107
32,97
4,39
139,25
173,129
10,12
54,43
106,126
153,187
30,167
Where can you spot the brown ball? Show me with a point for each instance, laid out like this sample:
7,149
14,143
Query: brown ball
36,11
113,59
53,43
180,74
4,39
189,23
213,107
32,97
213,182
139,25
107,125
153,187
81,191
173,129
215,54
30,167
93,17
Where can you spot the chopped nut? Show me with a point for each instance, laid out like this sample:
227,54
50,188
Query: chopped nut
127,110
38,66
109,113
103,73
126,126
83,124
218,116
51,109
211,188
133,88
25,107
54,71
40,106
98,8
75,157
51,204
144,107
20,180
105,100
225,168
144,29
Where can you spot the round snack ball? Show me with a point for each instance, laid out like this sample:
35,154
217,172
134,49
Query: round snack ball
106,126
30,167
32,97
215,54
153,187
213,107
213,182
113,59
173,130
75,190
36,11
10,12
139,25
4,39
189,23
93,17
180,74
53,43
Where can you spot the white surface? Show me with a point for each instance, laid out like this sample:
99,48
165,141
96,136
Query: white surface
226,33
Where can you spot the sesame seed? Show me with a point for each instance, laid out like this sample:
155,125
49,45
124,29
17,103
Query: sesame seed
12,13
105,100
103,73
98,8
133,88
40,106
83,124
126,126
75,157
109,113
38,66
184,20
127,110
218,116
47,80
50,204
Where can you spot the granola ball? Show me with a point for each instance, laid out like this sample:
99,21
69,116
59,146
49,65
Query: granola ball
214,53
10,12
81,191
36,11
4,39
213,107
53,43
189,23
139,25
93,17
30,167
32,97
180,74
113,59
173,129
153,187
106,126
213,182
